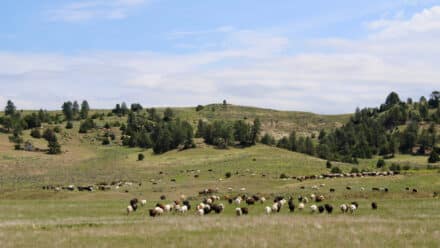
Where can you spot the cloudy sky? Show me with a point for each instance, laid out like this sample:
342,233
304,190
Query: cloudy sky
320,56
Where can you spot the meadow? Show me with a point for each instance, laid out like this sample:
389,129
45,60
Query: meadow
33,217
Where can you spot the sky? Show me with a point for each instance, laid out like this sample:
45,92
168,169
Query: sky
320,56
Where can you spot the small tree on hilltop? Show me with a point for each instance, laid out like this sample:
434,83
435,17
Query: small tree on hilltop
10,108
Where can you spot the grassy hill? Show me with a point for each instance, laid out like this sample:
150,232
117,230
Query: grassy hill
31,216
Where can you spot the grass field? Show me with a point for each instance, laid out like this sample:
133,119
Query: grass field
33,217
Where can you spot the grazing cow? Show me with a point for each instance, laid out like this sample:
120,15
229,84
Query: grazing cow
129,209
268,210
344,208
332,190
187,204
143,202
301,206
414,190
218,208
352,208
134,203
328,208
374,205
348,188
245,211
250,201
238,212
355,203
314,208
163,197
291,205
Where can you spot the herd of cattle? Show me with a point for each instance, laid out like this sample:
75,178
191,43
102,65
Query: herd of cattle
212,203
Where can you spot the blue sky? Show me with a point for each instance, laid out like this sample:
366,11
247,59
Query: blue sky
319,56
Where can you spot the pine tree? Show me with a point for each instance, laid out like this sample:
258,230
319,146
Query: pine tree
85,108
10,108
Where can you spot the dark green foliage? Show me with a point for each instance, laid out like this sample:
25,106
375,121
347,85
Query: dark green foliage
380,163
409,137
85,108
35,133
86,125
32,121
57,129
434,99
54,146
267,139
328,164
135,107
354,170
141,157
433,157
10,108
68,110
168,115
107,125
395,167
49,134
105,141
75,110
199,108
69,125
219,133
335,170
161,134
121,109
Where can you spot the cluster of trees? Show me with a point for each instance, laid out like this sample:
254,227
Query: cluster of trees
223,133
72,111
297,144
15,122
373,131
147,129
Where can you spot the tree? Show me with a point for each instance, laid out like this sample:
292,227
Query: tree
168,115
69,125
201,129
85,108
380,163
86,126
141,157
391,100
135,107
68,110
35,133
54,146
10,108
267,139
434,157
255,132
434,99
199,108
124,109
309,148
75,109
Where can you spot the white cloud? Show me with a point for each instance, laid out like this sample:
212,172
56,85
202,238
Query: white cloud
94,9
246,67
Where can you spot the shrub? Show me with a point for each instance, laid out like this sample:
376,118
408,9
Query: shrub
107,125
354,170
406,167
69,125
395,167
57,129
336,170
380,163
141,157
86,125
434,157
328,164
199,108
106,141
283,176
228,174
35,133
